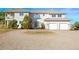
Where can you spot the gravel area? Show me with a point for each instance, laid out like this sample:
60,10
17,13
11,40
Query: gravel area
57,40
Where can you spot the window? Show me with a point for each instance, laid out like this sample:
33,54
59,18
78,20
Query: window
53,15
20,22
43,14
36,14
12,14
8,17
59,15
21,13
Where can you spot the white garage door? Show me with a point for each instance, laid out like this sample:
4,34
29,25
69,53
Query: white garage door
64,27
52,26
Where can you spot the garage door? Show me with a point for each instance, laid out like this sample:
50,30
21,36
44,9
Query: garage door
64,27
52,26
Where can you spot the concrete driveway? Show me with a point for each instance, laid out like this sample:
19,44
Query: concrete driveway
21,40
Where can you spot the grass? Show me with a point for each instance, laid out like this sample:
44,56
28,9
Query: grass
39,32
4,30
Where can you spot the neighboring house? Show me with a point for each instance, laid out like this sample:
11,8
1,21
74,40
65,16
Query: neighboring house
54,20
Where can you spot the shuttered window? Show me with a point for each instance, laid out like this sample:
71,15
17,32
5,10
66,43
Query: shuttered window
21,13
53,15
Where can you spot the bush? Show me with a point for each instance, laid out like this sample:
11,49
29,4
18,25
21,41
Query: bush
13,24
2,23
2,15
75,26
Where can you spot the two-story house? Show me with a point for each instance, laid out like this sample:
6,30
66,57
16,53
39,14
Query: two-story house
54,20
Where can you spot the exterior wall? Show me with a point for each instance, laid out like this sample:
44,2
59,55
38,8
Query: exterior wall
17,17
37,17
9,17
40,17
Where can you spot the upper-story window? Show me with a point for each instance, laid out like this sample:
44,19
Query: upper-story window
59,15
36,14
12,14
21,13
53,15
43,14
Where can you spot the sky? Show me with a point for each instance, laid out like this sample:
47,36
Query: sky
71,13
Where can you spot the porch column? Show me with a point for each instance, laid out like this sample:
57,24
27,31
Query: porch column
7,23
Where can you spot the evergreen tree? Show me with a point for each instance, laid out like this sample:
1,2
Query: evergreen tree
26,23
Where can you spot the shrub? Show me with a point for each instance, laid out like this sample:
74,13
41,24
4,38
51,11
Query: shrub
75,26
2,15
2,23
13,24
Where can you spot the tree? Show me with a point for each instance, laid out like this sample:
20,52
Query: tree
26,23
2,19
77,24
2,16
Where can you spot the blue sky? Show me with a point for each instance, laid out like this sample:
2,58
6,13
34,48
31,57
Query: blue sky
72,13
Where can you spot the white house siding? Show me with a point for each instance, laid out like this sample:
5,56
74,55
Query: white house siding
19,18
9,17
41,17
63,16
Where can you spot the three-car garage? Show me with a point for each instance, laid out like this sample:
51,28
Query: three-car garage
58,26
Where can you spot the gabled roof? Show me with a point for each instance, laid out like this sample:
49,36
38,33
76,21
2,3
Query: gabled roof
47,12
17,10
36,11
